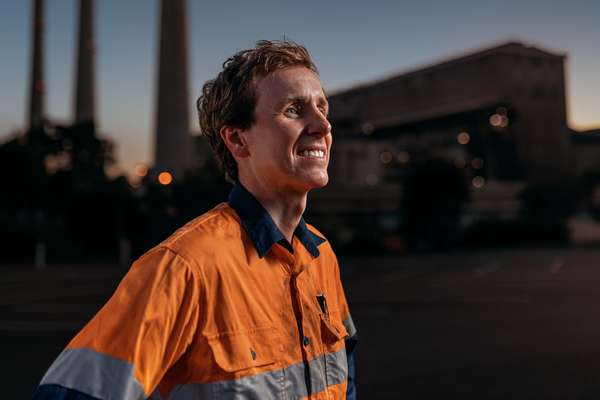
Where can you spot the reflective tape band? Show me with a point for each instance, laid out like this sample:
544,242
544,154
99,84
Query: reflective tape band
327,370
337,367
349,325
105,377
95,374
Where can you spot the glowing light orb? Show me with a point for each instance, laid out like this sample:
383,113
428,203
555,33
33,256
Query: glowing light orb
478,182
463,138
165,178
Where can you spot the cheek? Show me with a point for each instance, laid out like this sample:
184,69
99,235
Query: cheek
329,142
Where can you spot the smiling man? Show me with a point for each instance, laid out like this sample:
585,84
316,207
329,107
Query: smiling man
245,301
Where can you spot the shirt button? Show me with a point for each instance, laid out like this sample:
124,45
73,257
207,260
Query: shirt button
306,341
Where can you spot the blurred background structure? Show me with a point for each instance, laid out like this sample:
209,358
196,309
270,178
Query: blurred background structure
64,206
464,194
173,136
474,151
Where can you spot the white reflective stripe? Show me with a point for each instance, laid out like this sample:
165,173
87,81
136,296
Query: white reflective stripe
95,374
287,382
337,367
295,374
267,386
349,324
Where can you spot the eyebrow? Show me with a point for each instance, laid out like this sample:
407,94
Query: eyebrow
301,99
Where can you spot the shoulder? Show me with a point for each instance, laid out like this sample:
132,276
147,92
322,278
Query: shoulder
319,238
204,237
326,253
315,231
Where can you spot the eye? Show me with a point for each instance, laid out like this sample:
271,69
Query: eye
324,110
293,109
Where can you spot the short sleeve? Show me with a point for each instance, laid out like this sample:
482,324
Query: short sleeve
352,339
145,327
342,301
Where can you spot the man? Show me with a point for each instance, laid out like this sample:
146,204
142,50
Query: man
245,301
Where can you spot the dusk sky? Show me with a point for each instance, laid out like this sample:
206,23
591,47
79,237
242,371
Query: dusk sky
351,41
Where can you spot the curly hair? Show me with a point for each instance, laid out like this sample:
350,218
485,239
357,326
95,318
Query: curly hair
230,98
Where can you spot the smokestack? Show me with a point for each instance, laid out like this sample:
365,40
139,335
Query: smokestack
37,87
84,87
173,140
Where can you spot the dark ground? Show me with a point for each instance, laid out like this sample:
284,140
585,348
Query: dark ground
522,324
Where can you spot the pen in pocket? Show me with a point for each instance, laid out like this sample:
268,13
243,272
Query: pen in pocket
322,300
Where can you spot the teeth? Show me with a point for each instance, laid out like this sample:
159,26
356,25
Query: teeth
312,153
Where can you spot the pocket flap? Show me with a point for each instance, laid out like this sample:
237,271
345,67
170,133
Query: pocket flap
333,328
239,350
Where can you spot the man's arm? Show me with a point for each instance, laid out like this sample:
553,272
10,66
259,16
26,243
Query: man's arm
351,343
352,340
125,350
350,347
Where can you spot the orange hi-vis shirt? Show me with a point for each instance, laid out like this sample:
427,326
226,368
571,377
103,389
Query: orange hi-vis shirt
225,308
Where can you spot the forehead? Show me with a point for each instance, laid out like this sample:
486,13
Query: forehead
292,83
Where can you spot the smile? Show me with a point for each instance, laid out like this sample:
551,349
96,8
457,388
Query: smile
312,153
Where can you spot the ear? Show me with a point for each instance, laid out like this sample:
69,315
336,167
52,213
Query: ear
235,141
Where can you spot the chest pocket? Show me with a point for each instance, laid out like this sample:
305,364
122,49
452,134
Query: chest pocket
333,331
240,350
251,364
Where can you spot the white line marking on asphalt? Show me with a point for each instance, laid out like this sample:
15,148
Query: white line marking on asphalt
556,265
487,268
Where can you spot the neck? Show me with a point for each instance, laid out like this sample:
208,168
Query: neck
284,206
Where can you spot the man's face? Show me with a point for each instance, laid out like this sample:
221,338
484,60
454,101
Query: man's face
290,140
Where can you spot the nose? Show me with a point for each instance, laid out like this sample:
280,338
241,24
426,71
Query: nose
319,124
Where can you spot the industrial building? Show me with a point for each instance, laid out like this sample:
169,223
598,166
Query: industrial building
499,112
498,116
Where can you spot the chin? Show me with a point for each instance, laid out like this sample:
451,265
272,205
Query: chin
319,182
309,180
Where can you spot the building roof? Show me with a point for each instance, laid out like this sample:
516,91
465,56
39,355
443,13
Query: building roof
510,48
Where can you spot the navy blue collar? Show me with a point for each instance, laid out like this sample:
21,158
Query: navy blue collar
261,228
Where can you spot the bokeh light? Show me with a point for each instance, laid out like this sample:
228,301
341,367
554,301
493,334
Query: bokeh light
403,157
460,163
478,182
477,163
386,157
141,170
463,138
165,178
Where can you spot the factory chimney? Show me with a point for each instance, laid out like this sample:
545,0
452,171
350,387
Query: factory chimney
37,88
172,135
85,84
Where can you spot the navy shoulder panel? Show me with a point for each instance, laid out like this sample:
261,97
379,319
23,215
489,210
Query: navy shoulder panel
57,392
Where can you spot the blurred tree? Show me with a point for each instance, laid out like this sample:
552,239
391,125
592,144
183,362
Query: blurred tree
24,182
56,190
